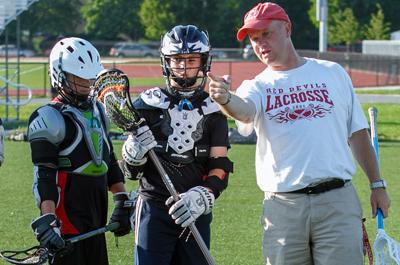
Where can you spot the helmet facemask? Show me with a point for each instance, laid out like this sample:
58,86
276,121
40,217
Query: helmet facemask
74,58
69,90
190,41
185,79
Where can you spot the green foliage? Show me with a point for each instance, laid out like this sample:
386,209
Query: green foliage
377,29
304,32
52,18
157,18
47,18
138,19
111,19
346,28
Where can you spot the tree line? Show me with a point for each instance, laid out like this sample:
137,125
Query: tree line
349,20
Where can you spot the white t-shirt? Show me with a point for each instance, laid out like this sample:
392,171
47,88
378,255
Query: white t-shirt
303,121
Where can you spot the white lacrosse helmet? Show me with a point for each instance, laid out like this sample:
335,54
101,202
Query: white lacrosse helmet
75,56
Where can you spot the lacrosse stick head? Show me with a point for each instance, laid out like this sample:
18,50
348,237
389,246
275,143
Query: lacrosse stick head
386,249
35,256
113,91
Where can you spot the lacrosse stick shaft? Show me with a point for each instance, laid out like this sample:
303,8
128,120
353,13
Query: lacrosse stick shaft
373,116
96,232
111,82
168,183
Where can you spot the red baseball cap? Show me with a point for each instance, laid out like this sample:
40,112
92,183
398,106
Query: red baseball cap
260,16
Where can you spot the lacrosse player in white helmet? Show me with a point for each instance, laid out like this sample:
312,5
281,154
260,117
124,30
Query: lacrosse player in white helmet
74,161
309,123
190,136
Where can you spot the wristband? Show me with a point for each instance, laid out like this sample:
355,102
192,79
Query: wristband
229,99
378,184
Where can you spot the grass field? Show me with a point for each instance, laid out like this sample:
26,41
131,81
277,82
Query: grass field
379,92
236,230
236,233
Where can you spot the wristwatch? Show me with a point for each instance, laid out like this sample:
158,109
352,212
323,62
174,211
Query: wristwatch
378,184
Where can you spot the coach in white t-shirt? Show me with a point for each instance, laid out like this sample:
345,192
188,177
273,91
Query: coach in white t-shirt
309,123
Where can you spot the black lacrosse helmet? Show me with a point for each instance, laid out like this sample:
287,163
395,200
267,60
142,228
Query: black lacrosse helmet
185,40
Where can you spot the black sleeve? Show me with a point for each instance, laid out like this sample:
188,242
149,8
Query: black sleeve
218,128
47,184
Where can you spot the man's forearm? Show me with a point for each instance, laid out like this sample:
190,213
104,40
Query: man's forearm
239,109
364,154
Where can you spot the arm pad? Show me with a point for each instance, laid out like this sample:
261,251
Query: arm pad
216,184
46,185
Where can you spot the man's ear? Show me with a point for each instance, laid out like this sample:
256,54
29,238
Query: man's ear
288,27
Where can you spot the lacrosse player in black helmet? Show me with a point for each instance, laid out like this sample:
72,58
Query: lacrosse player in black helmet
74,161
190,136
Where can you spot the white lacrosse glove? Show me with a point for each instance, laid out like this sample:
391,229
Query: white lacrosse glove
136,146
193,203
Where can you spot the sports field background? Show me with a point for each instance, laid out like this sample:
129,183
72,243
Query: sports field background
148,73
236,230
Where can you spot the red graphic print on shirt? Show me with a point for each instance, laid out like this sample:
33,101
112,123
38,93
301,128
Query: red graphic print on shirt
300,102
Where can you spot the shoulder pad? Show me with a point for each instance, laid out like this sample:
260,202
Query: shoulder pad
209,106
156,98
103,115
48,124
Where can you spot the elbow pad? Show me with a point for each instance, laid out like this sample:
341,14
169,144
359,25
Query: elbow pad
45,185
215,183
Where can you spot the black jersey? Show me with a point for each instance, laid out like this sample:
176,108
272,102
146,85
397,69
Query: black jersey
83,171
184,134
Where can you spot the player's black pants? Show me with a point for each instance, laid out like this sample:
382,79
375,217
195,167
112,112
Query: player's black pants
159,240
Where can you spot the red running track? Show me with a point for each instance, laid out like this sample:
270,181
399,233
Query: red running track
240,71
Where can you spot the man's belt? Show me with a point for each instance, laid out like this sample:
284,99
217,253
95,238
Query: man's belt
322,187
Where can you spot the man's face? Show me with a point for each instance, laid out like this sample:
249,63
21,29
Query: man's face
185,66
270,44
80,86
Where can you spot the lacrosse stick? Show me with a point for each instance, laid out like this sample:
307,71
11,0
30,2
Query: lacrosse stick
38,255
113,92
386,249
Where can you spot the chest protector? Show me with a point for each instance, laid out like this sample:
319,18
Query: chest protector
86,152
182,127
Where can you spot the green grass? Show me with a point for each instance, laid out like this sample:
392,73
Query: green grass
146,81
379,92
388,120
33,75
236,230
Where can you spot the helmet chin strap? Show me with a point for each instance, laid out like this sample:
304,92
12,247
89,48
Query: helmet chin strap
69,95
185,82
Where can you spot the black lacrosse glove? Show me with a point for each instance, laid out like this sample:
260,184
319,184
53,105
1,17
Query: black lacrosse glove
47,231
123,208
